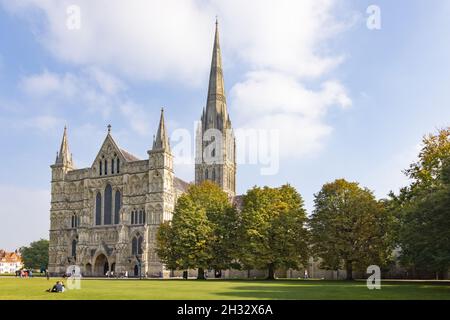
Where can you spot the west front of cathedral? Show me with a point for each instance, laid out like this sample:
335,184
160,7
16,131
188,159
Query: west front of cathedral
104,219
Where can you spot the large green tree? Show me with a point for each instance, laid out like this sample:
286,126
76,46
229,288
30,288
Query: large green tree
223,219
202,233
184,242
35,256
422,208
272,230
349,228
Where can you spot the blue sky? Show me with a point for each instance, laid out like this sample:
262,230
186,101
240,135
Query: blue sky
350,102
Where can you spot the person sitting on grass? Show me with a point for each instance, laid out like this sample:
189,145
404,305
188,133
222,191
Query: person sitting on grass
58,287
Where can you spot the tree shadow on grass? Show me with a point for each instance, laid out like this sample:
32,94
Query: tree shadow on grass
334,290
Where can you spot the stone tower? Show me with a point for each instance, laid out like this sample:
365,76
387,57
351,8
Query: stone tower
215,141
161,197
63,164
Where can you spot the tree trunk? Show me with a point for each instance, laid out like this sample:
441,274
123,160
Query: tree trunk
201,274
271,275
349,269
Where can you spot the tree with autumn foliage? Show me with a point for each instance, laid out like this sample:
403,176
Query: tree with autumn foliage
349,228
202,233
272,231
422,209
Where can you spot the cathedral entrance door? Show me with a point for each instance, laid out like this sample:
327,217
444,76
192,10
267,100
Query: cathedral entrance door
101,266
136,270
88,270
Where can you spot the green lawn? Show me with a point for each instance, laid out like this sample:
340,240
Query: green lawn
13,288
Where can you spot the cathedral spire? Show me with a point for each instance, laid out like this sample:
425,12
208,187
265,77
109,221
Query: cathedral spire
161,141
64,156
216,105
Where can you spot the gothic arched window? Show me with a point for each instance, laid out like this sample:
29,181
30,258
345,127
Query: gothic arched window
112,166
74,248
117,205
106,167
98,209
134,246
75,221
141,217
100,167
108,205
118,165
140,245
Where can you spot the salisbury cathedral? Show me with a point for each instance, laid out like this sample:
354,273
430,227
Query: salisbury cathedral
104,218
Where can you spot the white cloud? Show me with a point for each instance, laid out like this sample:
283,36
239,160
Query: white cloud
279,48
151,40
47,83
287,36
268,100
171,39
26,214
95,89
42,123
137,118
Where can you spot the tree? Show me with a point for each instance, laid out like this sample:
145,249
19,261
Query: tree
36,255
421,209
184,243
272,231
223,218
206,213
349,228
428,169
425,173
425,229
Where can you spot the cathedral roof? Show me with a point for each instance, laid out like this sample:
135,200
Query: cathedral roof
180,184
128,156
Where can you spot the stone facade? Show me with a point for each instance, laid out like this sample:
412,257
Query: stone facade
104,218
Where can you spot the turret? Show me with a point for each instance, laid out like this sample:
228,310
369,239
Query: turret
63,162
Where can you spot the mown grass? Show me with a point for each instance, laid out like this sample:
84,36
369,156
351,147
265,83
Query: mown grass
133,289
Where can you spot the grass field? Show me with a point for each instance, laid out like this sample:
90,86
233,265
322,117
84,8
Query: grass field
13,288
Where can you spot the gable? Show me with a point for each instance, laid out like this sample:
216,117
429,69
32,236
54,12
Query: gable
110,150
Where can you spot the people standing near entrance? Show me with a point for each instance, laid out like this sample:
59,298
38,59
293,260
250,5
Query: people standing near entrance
306,275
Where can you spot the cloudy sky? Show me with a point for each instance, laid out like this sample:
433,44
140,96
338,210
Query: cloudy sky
346,101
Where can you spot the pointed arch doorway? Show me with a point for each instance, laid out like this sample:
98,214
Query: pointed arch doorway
101,266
